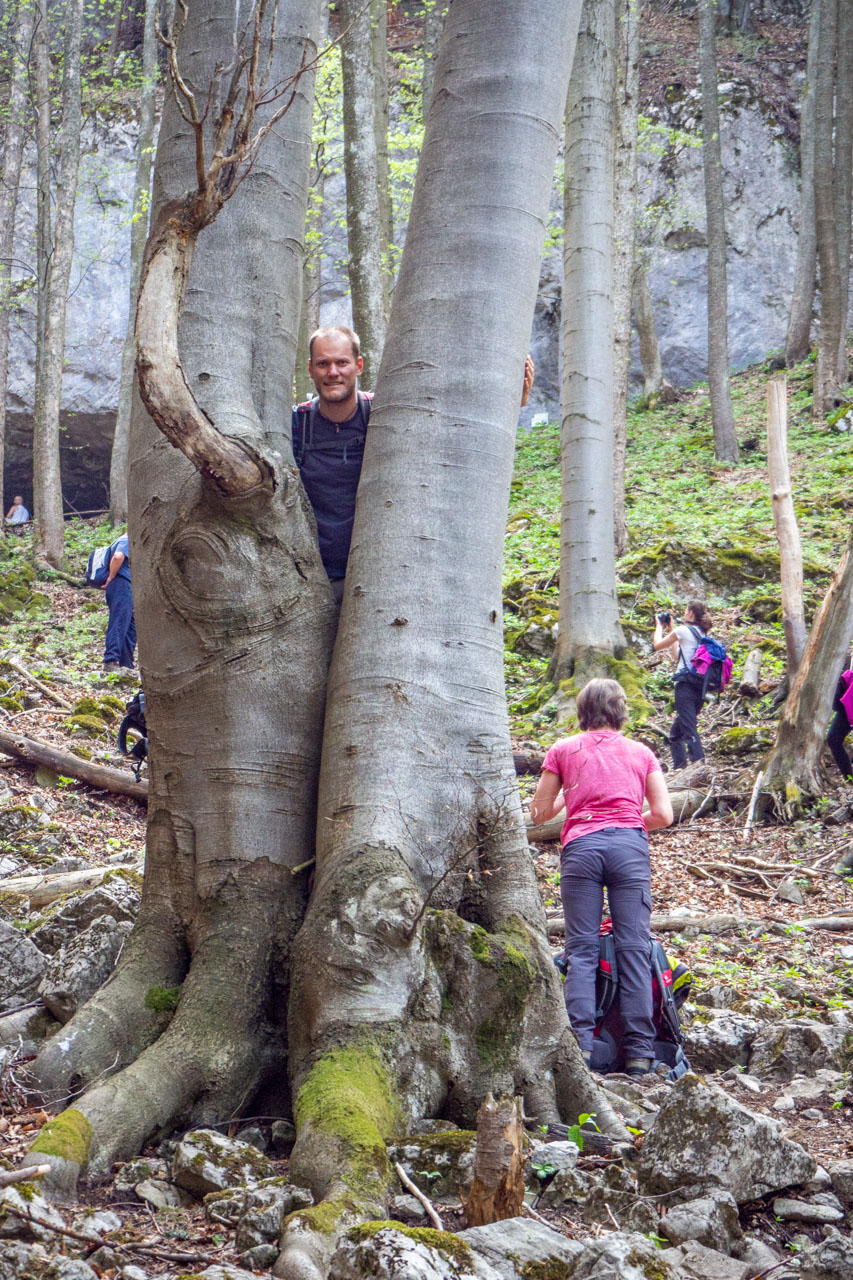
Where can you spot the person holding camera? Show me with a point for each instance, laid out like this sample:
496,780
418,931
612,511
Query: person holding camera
686,637
603,779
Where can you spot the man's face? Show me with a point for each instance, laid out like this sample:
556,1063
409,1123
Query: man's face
333,368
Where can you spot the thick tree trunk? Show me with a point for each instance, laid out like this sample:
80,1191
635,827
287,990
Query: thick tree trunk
10,177
422,976
138,236
825,180
589,613
379,44
785,521
644,319
361,163
312,266
844,174
722,415
235,617
434,12
792,770
624,221
798,339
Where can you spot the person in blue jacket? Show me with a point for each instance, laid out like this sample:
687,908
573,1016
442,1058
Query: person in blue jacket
121,629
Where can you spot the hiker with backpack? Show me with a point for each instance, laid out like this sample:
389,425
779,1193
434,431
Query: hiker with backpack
842,721
328,435
603,779
701,665
120,640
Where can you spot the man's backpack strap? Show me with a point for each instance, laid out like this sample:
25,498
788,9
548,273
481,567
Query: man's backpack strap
307,429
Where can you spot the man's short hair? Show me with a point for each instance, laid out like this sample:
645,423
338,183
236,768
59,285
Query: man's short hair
602,704
330,330
18,498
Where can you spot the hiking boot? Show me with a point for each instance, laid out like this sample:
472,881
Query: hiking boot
110,667
636,1067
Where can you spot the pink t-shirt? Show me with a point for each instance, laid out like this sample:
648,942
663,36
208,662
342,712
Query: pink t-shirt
604,777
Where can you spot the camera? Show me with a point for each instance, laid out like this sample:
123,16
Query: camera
665,618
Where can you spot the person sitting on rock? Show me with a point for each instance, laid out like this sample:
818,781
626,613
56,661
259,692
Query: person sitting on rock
17,513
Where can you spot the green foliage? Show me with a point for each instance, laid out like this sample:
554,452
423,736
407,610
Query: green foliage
162,999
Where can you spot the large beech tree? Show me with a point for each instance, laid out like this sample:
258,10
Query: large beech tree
421,976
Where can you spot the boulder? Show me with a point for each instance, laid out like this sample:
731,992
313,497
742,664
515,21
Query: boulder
22,967
225,1271
702,1139
439,1164
693,1261
799,1047
572,1186
712,1221
260,1258
809,1211
723,1041
67,1269
262,1207
759,1255
136,1171
14,1259
831,1259
77,971
621,1255
15,1227
547,1159
206,1161
390,1253
405,1209
522,1247
614,1198
841,1174
116,898
160,1195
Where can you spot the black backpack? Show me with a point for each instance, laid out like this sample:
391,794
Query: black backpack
304,442
134,720
670,988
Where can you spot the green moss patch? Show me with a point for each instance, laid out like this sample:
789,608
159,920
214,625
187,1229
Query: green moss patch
68,1136
443,1242
162,999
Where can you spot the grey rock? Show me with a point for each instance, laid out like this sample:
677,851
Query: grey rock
259,1258
429,1124
227,1272
747,1082
812,1113
832,1259
614,1198
841,1173
758,1254
572,1186
106,1259
283,1136
510,1246
254,1136
694,1261
391,1255
25,1029
622,1255
263,1207
22,968
72,1268
798,1047
452,1160
14,1259
135,1171
97,1225
723,1041
784,1103
117,899
77,970
205,1161
13,1227
820,1182
789,891
806,1211
560,1155
405,1209
703,1139
160,1195
712,1221
132,1272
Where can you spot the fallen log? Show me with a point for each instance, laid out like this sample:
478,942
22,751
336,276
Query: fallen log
671,924
751,672
101,776
36,683
40,891
684,805
527,761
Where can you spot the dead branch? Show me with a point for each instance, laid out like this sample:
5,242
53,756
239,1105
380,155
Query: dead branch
752,803
429,1207
36,683
95,1241
96,775
40,891
11,1176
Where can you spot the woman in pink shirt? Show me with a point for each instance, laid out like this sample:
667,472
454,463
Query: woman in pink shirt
604,778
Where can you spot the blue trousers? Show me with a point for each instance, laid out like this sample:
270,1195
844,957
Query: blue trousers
121,629
618,858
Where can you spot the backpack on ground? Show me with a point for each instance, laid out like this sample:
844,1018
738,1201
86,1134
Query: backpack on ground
670,988
98,566
710,663
135,721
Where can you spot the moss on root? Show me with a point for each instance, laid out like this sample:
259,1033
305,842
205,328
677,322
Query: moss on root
68,1137
511,956
349,1096
444,1242
324,1217
162,999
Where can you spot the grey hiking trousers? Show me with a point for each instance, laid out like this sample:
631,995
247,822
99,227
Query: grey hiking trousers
617,857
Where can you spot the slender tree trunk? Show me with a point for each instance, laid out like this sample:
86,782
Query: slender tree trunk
589,614
844,173
379,46
47,480
312,266
644,319
138,236
44,239
235,617
624,220
361,163
785,520
434,11
722,415
826,207
10,178
792,770
405,1013
798,338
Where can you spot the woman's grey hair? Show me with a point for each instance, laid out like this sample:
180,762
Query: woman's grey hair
602,704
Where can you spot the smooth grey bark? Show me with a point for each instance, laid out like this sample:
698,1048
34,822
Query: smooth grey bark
397,1008
785,522
361,166
312,263
644,319
624,222
735,15
792,769
41,58
10,178
798,338
590,629
844,173
138,236
722,414
379,44
434,13
235,618
47,480
826,210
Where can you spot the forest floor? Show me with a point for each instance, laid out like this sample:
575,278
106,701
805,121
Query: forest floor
691,521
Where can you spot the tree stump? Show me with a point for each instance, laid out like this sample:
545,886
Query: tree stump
751,671
497,1191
